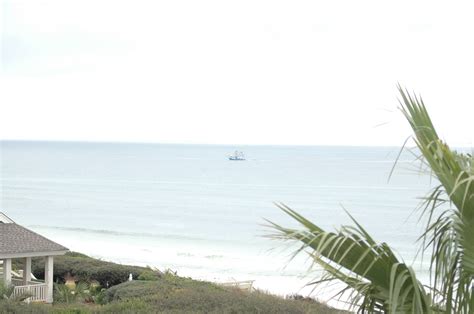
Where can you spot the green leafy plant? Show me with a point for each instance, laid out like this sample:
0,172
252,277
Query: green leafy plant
377,281
65,294
7,293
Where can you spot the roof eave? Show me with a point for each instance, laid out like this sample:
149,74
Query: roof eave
32,254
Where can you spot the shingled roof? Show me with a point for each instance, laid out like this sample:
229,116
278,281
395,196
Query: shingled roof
16,240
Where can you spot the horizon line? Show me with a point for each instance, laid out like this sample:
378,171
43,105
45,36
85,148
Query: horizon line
197,144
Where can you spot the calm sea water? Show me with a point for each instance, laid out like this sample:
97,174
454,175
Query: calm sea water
188,208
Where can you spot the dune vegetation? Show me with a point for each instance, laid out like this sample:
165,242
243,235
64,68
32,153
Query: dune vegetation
82,284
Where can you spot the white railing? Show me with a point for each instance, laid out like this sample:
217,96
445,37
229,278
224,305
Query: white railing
36,292
242,285
21,282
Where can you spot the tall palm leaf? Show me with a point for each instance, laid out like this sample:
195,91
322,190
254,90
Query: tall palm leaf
377,279
451,233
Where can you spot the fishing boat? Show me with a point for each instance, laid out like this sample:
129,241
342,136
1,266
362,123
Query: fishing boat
237,156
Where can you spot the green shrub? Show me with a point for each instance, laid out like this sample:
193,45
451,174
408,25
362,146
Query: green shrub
14,307
5,292
72,309
150,275
87,269
8,304
183,295
128,306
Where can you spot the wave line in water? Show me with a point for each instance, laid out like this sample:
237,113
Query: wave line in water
118,233
118,182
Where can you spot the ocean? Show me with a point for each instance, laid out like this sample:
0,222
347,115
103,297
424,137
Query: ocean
189,209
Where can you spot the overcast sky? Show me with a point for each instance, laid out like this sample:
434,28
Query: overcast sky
235,72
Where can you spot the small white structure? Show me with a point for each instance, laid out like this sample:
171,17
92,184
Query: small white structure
246,285
19,242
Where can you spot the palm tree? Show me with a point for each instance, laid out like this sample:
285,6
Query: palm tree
377,280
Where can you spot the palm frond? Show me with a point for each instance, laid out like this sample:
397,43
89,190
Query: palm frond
377,279
450,233
352,256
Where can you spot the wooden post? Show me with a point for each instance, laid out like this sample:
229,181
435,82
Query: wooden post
7,271
48,278
27,271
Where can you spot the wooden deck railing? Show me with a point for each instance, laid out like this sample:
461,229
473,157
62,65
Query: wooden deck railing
35,292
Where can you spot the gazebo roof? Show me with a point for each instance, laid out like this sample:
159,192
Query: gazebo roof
18,241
